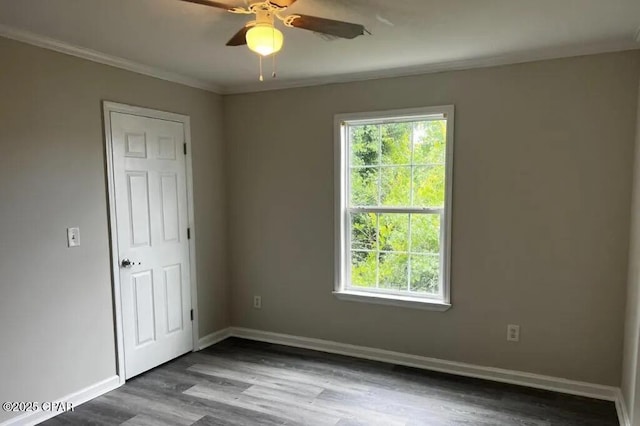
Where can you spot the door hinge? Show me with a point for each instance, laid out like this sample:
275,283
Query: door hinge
185,148
188,233
192,315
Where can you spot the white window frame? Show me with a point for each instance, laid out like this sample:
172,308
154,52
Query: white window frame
342,291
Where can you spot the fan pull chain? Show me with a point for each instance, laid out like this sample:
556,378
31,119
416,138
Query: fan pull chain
261,77
274,66
273,41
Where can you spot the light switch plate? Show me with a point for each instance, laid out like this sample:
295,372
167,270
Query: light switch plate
73,237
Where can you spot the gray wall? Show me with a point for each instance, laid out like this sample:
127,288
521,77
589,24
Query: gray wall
631,359
542,184
56,322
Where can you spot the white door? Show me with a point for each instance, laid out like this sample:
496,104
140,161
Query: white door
149,173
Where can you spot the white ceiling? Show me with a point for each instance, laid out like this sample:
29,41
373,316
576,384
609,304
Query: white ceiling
410,36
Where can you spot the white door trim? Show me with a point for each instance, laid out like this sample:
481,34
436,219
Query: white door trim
108,108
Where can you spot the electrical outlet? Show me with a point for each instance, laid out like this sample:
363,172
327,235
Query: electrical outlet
513,333
257,302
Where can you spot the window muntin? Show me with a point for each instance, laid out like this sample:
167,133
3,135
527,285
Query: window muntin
394,215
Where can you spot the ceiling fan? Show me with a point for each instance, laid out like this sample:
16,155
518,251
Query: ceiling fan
262,36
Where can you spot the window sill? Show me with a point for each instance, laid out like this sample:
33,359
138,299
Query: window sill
389,300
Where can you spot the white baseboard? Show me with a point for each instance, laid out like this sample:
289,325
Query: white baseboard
76,398
213,338
538,381
621,408
556,384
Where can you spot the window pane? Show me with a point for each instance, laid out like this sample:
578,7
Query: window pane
394,232
364,186
428,186
425,233
395,187
396,143
396,165
425,273
365,145
363,268
363,231
394,270
429,142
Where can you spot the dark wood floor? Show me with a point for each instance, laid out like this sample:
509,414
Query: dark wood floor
238,382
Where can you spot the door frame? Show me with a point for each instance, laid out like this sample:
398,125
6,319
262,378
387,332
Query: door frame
108,107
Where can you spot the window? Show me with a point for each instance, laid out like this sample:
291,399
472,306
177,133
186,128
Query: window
393,206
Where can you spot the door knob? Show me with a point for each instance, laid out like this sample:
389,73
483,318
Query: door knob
126,263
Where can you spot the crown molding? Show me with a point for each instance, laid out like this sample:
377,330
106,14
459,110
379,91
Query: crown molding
481,62
466,64
103,58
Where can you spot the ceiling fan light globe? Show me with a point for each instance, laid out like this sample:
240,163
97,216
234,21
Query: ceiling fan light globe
265,39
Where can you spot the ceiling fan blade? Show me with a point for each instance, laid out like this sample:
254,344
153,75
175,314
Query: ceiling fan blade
282,3
329,26
240,38
211,3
